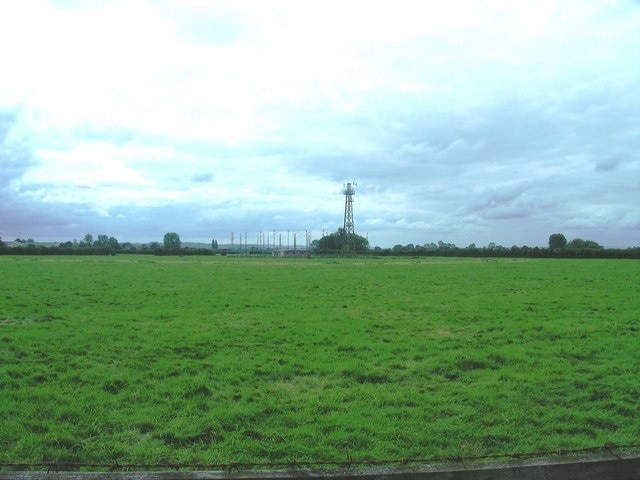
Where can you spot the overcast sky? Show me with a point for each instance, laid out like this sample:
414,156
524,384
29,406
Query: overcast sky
462,121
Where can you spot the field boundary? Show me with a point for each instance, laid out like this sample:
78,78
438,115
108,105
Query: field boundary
623,466
609,449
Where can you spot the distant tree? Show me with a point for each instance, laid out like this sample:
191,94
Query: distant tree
102,241
593,245
172,240
356,243
88,240
113,243
445,246
2,244
341,241
557,240
26,241
214,244
578,243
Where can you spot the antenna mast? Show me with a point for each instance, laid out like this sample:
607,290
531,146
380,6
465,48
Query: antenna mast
349,192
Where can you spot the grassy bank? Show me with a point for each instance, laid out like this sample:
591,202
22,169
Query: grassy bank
221,359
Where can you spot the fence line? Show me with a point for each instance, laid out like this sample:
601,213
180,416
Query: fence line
291,464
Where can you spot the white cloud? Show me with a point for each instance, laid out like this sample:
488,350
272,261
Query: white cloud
488,121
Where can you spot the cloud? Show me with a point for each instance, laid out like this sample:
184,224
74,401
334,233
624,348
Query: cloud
202,177
607,165
466,123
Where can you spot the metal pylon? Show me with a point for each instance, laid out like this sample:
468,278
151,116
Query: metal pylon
349,192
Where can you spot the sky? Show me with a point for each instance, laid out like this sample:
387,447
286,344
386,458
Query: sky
498,121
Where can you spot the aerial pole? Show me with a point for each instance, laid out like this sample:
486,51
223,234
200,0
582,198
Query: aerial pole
349,192
349,228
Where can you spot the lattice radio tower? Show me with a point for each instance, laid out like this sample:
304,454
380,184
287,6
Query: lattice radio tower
349,192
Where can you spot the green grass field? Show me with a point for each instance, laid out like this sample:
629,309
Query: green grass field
221,359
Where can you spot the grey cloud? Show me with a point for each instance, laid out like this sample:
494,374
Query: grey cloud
15,151
7,120
202,177
607,165
503,212
496,197
113,134
474,156
456,164
54,221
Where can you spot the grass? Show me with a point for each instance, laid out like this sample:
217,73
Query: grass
222,359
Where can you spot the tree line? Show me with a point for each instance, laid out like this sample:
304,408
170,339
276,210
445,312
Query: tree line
101,245
337,243
558,247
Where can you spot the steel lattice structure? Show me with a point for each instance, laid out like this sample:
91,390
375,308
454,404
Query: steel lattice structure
349,192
